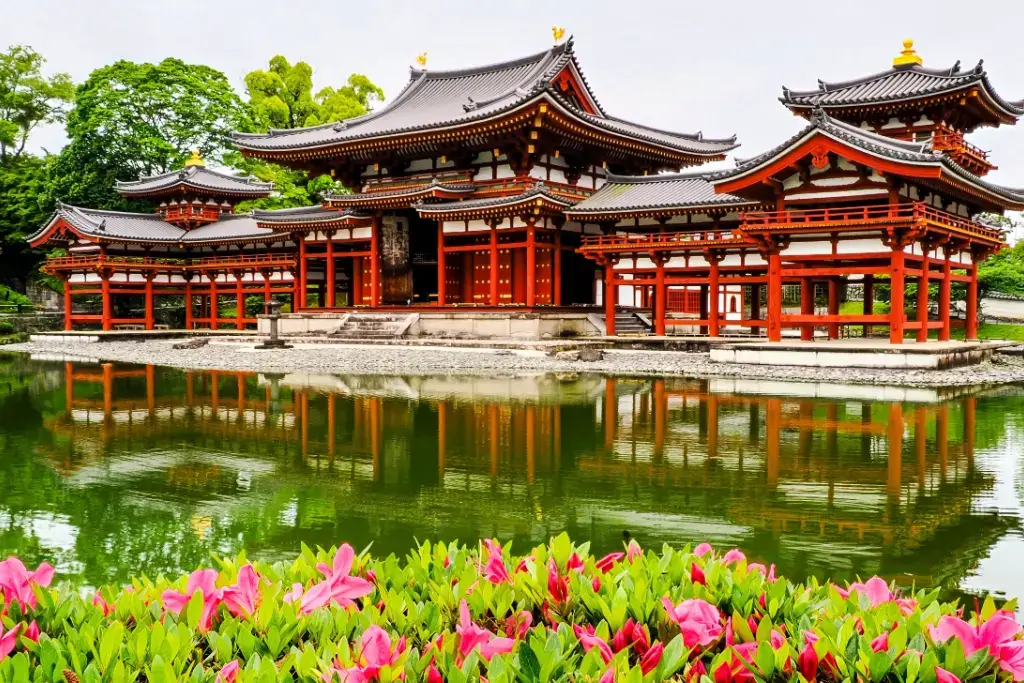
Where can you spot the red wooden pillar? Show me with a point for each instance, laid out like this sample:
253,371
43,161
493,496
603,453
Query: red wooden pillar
972,304
67,304
107,316
150,315
556,293
714,296
357,281
774,296
303,272
833,307
531,264
609,298
214,312
660,294
375,262
869,301
922,296
897,279
494,265
239,302
806,307
944,295
330,270
441,266
188,305
267,292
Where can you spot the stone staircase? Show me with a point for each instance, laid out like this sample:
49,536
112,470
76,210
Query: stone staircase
373,326
630,324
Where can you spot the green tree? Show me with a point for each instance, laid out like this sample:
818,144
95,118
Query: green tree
282,97
25,207
141,119
28,98
1003,272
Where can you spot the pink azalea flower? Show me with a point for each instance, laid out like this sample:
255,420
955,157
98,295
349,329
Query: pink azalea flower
105,607
697,574
17,583
32,632
606,563
294,594
700,622
574,563
881,643
242,597
228,673
652,658
558,586
702,549
608,676
375,651
734,555
433,675
493,547
997,635
589,641
338,585
495,571
519,625
472,636
878,593
200,580
8,640
807,662
595,583
943,676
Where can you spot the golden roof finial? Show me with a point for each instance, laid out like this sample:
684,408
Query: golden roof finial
558,32
421,59
195,159
908,56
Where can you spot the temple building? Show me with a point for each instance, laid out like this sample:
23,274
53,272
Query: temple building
507,192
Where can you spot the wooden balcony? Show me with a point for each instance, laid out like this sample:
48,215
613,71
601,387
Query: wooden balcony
190,213
964,153
838,219
248,262
659,241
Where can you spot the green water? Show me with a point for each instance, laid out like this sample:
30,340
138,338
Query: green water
108,471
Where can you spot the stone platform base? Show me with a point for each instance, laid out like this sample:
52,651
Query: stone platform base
857,353
467,324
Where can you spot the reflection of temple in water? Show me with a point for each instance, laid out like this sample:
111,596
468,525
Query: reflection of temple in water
837,485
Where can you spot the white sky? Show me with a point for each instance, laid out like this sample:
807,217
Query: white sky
679,65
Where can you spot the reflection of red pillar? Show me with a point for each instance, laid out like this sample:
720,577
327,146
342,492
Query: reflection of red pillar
531,443
108,389
240,379
773,433
774,297
215,393
609,299
895,437
331,427
189,390
944,296
69,387
151,389
972,304
897,283
921,444
712,402
442,433
494,437
660,415
610,414
806,307
942,438
970,409
494,266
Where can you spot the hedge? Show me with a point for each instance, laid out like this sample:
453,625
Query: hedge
452,613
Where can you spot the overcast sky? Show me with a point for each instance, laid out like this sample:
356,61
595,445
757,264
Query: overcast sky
678,65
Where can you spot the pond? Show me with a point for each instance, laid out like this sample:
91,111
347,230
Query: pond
108,471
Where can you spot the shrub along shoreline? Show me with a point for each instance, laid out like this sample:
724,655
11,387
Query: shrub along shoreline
452,613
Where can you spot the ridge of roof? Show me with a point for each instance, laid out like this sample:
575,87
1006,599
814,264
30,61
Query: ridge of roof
193,175
952,72
662,192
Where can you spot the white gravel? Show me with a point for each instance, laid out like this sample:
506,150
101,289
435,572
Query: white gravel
414,360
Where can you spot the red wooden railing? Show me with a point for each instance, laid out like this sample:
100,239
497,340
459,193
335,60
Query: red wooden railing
151,263
955,142
873,213
191,213
658,239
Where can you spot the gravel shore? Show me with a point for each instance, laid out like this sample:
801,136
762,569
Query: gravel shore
410,360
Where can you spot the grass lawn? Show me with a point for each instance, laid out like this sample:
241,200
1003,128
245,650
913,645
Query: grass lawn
988,331
857,308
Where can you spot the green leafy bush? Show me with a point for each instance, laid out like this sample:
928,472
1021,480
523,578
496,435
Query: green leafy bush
451,613
6,327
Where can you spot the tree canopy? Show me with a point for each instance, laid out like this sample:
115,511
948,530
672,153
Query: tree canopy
28,98
282,97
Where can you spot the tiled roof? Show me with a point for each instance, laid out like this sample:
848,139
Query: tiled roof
897,84
439,99
411,191
305,214
538,191
655,192
150,228
916,153
194,177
